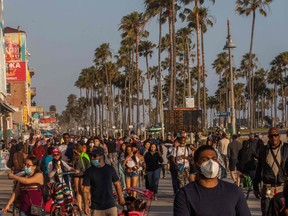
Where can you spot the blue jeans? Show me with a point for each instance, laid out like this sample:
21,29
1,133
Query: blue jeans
153,179
121,175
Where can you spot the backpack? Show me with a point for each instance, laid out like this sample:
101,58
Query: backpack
246,158
84,165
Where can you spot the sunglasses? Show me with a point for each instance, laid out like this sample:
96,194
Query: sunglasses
56,155
273,135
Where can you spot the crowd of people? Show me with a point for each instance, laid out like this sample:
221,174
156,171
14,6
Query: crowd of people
100,162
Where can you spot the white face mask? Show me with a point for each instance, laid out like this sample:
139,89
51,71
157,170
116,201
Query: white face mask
209,168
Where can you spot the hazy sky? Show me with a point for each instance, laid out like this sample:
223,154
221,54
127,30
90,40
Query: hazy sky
63,34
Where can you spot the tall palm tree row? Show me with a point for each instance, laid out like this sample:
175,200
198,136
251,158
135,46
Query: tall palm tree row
248,7
114,81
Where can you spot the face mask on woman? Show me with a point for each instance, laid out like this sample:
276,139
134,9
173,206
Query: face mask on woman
27,170
209,168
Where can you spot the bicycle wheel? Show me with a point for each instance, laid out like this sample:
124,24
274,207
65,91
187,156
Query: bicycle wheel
76,210
55,210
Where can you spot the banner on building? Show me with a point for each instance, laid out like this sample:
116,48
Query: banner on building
16,68
25,115
16,71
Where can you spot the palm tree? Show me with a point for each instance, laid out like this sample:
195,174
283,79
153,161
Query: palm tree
243,72
221,67
146,50
196,11
183,39
279,67
132,25
246,7
101,56
205,20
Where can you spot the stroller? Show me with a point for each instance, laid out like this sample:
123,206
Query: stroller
139,206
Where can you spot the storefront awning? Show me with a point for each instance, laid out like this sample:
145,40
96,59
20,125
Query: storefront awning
6,107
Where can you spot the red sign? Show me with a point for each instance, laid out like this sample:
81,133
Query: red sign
16,71
47,120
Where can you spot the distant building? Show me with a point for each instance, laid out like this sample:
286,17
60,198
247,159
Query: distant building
18,77
5,109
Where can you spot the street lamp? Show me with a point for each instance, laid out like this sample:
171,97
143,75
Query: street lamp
229,46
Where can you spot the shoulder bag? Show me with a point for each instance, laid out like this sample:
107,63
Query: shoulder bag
36,210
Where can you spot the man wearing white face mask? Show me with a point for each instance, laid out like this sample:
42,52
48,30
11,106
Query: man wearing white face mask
209,195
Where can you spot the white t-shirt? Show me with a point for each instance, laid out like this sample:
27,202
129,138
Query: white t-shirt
63,148
51,173
131,163
223,144
180,151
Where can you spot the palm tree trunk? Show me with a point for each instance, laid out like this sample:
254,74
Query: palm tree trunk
171,98
137,82
159,68
198,56
184,76
174,52
204,81
283,104
102,109
275,105
96,113
149,88
250,72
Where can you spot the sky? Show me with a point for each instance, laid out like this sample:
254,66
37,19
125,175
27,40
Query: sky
63,34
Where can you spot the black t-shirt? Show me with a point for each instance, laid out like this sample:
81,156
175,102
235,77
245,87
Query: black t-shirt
100,180
224,199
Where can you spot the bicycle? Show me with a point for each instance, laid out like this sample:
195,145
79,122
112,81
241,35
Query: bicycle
58,209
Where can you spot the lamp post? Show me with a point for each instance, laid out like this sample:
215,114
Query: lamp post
230,45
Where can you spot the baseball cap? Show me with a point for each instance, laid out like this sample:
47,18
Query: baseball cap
56,151
98,151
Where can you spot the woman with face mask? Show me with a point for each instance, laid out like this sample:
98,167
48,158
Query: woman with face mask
209,195
28,188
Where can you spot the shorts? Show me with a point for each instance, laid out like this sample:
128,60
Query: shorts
131,174
232,164
111,211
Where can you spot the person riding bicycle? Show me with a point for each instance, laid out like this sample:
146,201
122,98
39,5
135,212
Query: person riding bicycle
59,183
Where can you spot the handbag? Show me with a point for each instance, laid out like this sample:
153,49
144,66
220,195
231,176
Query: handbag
36,210
180,167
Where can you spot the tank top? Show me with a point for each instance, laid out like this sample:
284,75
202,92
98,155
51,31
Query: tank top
30,194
